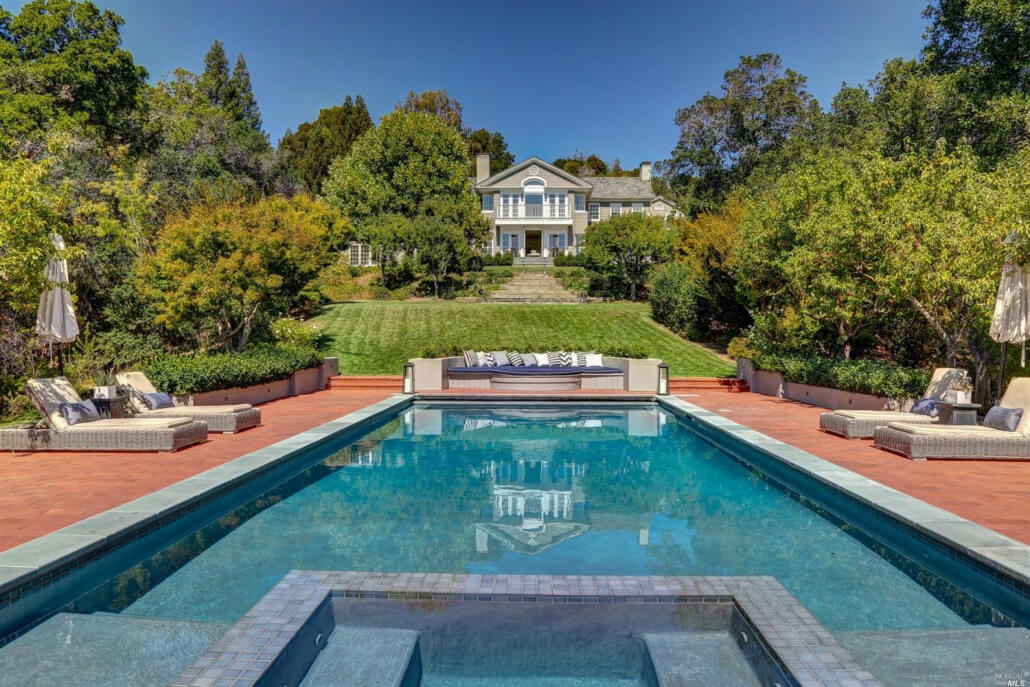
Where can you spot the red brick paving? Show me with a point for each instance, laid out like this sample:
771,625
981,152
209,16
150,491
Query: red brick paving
995,494
47,490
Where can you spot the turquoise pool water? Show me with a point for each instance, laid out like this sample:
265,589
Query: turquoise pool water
557,490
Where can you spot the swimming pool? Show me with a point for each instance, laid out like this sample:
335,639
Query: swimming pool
555,490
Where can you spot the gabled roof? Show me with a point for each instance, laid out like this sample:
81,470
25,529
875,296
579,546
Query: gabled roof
518,167
620,188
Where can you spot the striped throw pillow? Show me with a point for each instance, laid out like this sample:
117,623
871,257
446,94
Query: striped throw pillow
471,359
515,358
581,359
483,359
554,358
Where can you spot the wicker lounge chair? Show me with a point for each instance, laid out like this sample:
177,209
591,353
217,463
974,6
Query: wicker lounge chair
144,434
964,441
223,418
862,424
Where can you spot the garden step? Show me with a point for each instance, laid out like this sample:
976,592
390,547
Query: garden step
392,382
532,287
679,384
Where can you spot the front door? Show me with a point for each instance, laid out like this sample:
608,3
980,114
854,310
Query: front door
533,241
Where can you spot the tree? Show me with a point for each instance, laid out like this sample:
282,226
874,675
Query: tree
226,269
30,211
408,159
315,145
493,144
61,64
437,103
243,105
628,246
722,138
386,236
215,78
439,248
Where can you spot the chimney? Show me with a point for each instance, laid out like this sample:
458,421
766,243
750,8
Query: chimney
482,167
645,171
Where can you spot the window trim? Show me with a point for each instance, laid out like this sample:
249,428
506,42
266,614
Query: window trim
595,212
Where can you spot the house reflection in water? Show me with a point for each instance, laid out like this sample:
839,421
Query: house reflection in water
534,505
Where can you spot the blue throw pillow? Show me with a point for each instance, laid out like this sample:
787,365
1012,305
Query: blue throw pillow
926,406
1006,419
83,411
158,401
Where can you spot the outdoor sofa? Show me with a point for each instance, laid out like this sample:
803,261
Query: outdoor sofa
221,418
606,373
862,424
921,441
163,434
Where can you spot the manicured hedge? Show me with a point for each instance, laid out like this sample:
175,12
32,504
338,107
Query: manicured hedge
615,351
184,374
859,376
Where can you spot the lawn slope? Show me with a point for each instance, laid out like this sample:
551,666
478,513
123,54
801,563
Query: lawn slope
377,337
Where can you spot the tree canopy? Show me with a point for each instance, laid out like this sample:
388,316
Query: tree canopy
311,149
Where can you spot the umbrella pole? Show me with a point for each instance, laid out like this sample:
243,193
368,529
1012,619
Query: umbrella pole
60,360
1001,370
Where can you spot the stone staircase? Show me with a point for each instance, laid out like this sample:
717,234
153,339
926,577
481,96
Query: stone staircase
532,287
533,261
679,385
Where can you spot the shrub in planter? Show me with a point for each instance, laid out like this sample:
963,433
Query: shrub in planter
184,374
873,377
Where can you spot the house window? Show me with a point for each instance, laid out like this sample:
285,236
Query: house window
556,205
595,212
360,255
638,208
509,204
488,202
616,209
659,206
556,242
581,202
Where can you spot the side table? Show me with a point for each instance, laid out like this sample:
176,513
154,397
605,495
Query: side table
957,413
110,407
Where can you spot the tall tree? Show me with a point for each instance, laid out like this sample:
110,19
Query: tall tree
437,103
722,138
493,144
216,75
627,247
243,105
62,61
409,158
314,145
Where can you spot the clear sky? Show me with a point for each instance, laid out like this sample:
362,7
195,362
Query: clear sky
600,77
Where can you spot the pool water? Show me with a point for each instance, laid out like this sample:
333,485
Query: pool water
558,490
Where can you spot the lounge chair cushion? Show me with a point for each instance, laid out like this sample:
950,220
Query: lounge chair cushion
193,411
48,395
83,411
133,423
932,429
1005,419
158,400
883,416
926,406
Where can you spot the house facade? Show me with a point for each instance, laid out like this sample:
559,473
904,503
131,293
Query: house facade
537,209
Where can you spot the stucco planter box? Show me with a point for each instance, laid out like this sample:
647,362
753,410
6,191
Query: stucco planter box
773,384
300,382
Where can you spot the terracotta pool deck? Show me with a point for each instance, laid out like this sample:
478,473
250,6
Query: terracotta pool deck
45,491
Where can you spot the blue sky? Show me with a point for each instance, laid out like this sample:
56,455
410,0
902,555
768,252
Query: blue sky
604,77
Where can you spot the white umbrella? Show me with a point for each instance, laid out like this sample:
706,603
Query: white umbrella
55,320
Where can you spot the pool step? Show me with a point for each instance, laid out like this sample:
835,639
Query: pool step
930,658
105,650
699,659
367,657
391,382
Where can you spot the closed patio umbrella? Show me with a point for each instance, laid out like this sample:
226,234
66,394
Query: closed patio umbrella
1011,321
55,319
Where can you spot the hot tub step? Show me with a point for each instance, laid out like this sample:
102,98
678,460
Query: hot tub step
367,657
699,659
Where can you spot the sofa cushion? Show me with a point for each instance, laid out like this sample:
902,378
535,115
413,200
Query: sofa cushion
81,411
1006,419
554,370
926,406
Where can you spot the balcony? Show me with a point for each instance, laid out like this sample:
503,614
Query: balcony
534,211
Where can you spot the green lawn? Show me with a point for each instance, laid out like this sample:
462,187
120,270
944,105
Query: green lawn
378,337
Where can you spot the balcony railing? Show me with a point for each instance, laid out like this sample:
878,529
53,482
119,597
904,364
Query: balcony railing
533,211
